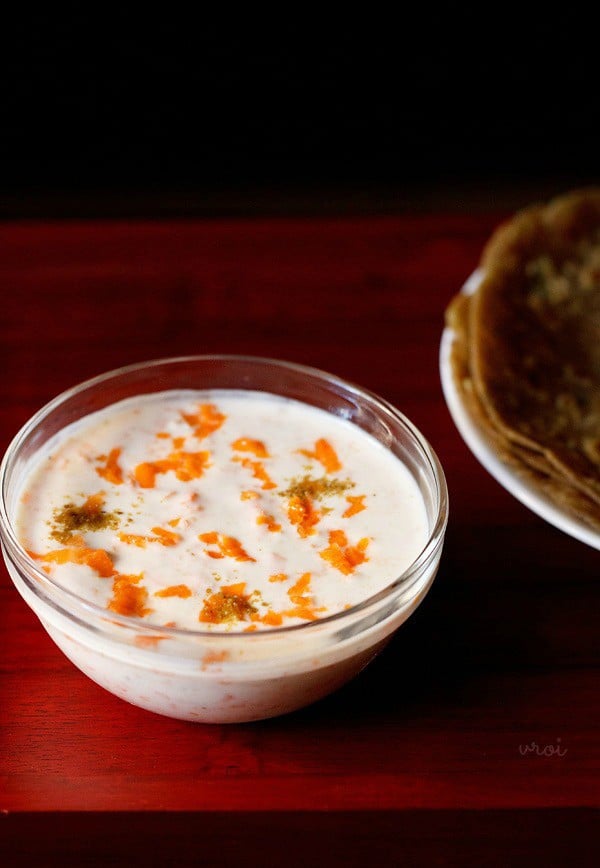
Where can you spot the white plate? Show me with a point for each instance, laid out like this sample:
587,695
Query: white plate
471,434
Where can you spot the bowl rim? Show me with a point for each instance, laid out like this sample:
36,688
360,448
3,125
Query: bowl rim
27,565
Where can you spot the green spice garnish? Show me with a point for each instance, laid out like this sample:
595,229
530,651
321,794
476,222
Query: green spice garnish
316,489
89,516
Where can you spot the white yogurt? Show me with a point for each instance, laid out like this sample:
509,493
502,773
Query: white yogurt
225,511
220,556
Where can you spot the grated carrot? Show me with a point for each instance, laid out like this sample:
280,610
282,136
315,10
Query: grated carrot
210,537
338,537
303,515
134,539
145,475
162,536
111,471
357,504
272,619
258,471
166,537
234,590
174,591
325,454
245,444
249,495
228,546
129,597
343,556
206,420
93,505
185,466
300,596
188,465
307,613
297,592
278,577
270,522
97,559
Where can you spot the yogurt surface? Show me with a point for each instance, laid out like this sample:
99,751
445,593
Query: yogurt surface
220,510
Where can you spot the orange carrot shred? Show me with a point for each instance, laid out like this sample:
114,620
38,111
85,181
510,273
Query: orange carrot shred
232,548
93,505
278,577
270,522
134,539
228,546
145,475
100,562
166,537
129,597
305,612
343,556
185,465
303,515
300,596
97,559
338,537
174,591
325,454
162,536
249,495
234,590
188,465
205,421
357,504
258,471
273,619
210,537
245,444
111,471
300,588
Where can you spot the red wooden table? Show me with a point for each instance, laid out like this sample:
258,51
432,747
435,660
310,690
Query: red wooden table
422,760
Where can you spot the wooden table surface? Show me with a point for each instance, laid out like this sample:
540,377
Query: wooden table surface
422,759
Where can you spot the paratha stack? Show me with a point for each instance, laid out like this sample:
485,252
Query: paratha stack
526,356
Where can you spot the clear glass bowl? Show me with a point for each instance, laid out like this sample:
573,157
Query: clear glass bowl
223,677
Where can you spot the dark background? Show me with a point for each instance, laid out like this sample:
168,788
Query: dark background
131,112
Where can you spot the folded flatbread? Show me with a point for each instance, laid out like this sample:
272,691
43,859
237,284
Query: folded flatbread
526,354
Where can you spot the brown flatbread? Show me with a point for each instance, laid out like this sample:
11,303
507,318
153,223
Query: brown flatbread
526,354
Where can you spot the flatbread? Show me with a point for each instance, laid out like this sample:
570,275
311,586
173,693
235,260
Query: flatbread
526,354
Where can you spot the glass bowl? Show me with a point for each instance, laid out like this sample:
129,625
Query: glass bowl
203,675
